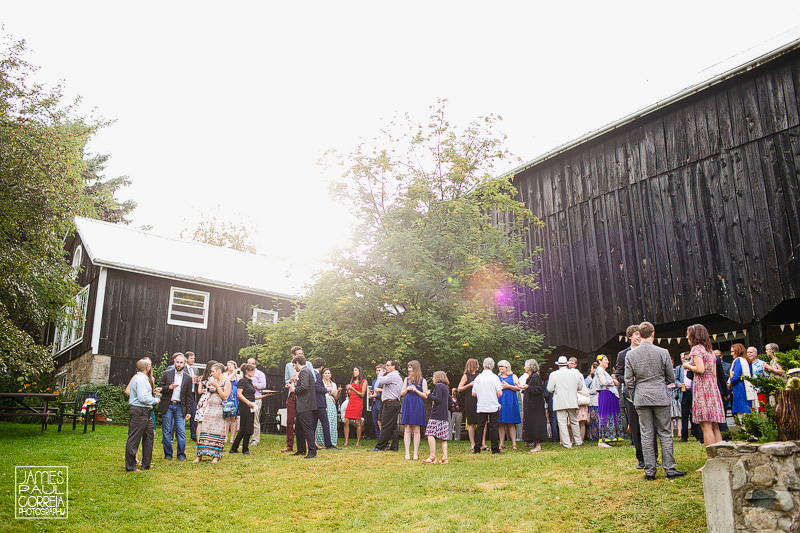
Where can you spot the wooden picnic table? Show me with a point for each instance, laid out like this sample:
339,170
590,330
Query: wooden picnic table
24,409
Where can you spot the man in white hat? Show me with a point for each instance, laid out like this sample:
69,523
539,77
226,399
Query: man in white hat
564,384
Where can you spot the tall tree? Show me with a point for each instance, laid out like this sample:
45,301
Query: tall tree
102,192
436,262
41,190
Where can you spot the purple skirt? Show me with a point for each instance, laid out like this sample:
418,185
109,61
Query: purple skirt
607,405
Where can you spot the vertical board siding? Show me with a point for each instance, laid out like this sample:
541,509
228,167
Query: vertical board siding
691,211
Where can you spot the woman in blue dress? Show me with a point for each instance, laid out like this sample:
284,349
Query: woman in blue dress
509,405
415,390
744,393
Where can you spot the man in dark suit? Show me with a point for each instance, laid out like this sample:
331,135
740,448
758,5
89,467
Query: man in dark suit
175,406
648,369
722,385
306,403
632,333
321,414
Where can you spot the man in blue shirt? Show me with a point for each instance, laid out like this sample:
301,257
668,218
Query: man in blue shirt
141,427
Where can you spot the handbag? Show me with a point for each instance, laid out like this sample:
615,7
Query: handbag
583,396
229,408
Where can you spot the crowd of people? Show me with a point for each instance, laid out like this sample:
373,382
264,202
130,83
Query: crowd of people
504,408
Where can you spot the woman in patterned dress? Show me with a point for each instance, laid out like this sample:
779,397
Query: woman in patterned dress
707,407
331,396
609,414
204,395
211,441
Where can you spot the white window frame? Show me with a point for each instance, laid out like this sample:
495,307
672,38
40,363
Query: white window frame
70,331
258,311
177,321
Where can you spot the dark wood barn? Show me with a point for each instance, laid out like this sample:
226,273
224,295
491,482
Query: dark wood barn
686,212
147,295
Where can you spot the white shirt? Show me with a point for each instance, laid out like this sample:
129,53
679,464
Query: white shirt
486,387
176,392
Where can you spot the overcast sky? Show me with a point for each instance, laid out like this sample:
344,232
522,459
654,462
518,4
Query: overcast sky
233,103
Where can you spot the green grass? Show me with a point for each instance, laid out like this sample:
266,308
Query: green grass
585,489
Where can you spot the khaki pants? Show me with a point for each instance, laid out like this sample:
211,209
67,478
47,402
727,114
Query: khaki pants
568,418
256,438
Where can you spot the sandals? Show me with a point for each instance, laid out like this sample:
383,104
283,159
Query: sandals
444,461
430,460
514,447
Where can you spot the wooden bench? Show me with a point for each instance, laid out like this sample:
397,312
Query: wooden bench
73,410
22,409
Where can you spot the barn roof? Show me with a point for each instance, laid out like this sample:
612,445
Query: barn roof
133,250
737,64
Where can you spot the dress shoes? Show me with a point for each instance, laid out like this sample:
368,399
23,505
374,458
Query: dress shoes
640,466
675,473
648,477
246,453
310,456
286,450
498,452
299,453
233,451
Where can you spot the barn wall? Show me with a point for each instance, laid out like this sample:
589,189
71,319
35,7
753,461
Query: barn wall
134,323
688,212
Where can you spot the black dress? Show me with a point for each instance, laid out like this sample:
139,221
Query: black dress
246,425
533,405
470,402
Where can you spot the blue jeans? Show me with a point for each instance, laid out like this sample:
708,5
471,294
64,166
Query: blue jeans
173,418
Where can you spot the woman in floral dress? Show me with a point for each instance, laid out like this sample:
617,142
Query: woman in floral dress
331,396
211,440
707,409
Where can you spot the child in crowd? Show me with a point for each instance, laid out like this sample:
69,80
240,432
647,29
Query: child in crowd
438,423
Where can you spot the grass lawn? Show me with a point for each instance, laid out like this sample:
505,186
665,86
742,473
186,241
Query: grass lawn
586,489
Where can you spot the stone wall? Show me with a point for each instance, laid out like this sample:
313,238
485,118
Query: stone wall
87,368
753,488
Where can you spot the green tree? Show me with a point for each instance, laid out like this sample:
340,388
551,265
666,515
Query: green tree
41,190
437,259
219,230
102,192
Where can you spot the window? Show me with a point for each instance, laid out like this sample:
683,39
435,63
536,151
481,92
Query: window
70,331
265,316
188,308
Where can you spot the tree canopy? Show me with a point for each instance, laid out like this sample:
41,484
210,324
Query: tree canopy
42,188
436,262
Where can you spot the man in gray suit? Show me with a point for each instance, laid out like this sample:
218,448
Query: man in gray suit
306,394
648,369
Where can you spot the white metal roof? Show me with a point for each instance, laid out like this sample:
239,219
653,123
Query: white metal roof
717,73
124,248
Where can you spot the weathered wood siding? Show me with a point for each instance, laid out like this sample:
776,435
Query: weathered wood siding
134,323
690,211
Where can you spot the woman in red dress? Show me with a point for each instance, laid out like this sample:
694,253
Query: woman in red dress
356,390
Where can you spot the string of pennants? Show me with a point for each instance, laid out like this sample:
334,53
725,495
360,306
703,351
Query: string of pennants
715,336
